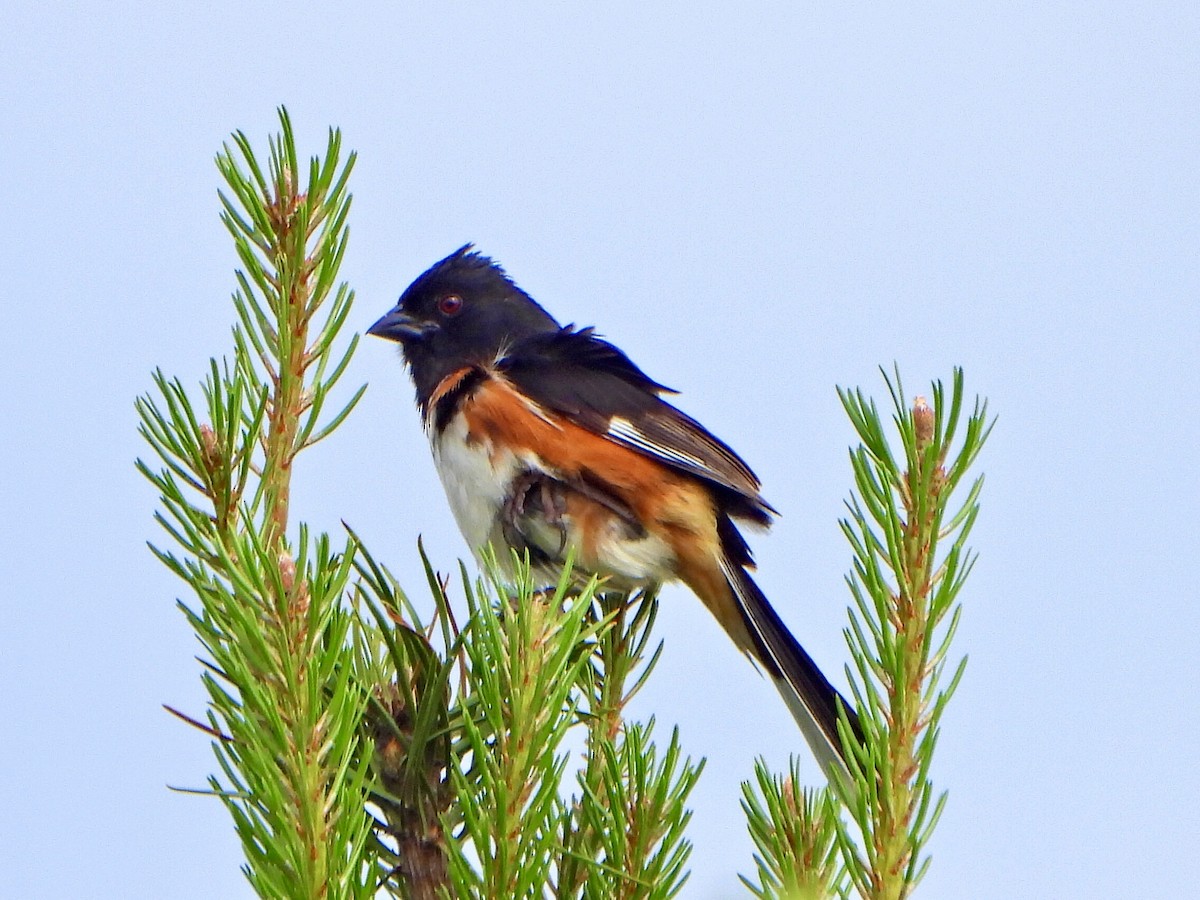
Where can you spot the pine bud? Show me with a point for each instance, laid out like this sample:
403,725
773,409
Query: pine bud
287,571
210,453
922,414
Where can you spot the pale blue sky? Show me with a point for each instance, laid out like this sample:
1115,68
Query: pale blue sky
759,202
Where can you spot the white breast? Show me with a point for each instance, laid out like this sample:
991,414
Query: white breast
476,478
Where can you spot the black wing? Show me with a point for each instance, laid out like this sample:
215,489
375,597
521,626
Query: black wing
593,384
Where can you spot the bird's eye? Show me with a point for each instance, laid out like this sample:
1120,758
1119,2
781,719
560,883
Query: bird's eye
450,305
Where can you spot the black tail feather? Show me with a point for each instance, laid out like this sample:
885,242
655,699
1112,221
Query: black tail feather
813,701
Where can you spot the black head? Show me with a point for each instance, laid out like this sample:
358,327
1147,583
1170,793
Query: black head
463,311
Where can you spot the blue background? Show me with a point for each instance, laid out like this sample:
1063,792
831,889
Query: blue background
759,202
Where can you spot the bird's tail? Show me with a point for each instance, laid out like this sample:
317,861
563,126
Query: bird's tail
813,701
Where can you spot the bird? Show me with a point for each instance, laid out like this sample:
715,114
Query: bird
549,440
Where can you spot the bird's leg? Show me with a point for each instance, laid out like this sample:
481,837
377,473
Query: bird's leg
553,495
535,499
518,495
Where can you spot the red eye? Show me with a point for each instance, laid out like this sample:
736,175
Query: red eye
450,305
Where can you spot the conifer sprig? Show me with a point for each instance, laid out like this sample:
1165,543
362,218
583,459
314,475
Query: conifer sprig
283,704
910,562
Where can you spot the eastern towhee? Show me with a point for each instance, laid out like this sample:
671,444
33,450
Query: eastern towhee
548,439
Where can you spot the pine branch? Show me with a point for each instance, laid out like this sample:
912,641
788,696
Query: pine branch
281,698
905,588
630,813
523,658
795,831
472,788
411,722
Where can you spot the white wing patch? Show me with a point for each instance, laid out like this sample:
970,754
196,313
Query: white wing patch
626,432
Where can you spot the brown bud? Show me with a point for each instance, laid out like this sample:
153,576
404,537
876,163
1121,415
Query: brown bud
287,570
296,594
209,451
789,796
922,414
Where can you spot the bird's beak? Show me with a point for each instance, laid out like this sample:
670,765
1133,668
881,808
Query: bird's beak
400,326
